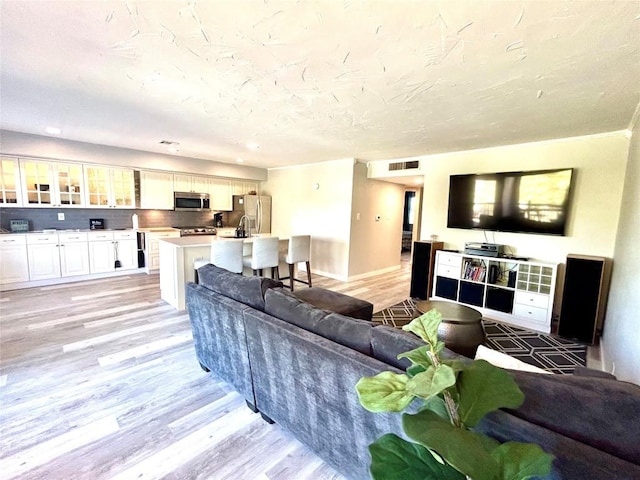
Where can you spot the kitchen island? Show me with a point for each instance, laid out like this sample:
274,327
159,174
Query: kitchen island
177,256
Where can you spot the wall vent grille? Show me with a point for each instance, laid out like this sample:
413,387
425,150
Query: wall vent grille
404,165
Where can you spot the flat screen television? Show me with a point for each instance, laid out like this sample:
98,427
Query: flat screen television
523,202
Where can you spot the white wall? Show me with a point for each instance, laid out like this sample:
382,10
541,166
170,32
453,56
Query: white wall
621,337
324,213
600,162
23,144
375,245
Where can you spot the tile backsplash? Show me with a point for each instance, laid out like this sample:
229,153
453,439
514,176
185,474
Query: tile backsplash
43,218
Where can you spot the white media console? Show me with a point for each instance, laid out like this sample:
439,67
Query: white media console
513,291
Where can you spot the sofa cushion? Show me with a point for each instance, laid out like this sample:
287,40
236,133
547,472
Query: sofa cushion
248,290
336,302
388,342
599,412
350,332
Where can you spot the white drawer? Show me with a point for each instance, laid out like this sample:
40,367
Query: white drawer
72,237
11,240
450,259
100,236
42,238
156,235
534,314
448,271
532,299
125,235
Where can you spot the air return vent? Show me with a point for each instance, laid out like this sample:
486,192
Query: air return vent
404,165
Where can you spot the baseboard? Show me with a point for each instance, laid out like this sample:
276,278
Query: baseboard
79,278
374,273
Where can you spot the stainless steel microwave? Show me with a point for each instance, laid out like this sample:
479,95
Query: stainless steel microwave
190,202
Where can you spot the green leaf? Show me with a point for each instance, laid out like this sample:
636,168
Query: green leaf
413,370
426,326
418,356
393,458
455,364
484,388
436,405
519,461
463,449
385,392
431,382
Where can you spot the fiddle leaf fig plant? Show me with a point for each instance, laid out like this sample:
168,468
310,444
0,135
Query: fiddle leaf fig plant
453,398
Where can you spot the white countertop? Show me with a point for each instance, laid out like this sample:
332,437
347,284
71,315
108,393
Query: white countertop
205,240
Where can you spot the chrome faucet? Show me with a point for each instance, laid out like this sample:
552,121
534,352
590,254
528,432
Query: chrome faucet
245,224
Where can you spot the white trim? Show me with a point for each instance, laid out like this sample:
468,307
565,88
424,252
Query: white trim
374,273
304,165
60,280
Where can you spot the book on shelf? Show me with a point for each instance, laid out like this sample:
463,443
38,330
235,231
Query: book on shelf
474,271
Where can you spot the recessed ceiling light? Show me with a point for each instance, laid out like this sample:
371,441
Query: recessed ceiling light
53,130
239,160
253,146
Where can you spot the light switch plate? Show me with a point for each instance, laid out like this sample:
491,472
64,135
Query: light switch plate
60,216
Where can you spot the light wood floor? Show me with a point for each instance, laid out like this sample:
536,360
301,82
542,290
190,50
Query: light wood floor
99,380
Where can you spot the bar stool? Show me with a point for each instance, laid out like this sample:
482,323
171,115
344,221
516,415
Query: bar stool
264,254
225,254
299,251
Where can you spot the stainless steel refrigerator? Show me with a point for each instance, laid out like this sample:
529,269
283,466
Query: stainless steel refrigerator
257,208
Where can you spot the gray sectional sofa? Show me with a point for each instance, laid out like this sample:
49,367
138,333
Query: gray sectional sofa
298,365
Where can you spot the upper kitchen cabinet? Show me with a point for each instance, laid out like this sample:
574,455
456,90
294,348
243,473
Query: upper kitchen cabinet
10,192
51,184
109,187
190,183
220,194
156,190
241,187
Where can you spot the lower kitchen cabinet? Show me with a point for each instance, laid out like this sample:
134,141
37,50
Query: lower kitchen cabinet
74,254
15,263
44,256
108,246
126,249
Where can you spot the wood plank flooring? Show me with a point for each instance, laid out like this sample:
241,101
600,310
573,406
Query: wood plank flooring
99,380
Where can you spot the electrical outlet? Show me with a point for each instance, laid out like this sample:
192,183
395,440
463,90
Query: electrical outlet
357,216
61,216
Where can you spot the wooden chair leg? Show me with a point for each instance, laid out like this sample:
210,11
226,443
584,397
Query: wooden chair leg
292,268
275,273
195,276
308,273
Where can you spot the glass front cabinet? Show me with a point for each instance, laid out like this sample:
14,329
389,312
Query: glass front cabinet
51,184
10,192
109,187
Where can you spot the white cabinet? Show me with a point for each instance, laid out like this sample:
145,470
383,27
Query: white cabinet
44,256
10,190
151,248
57,255
52,184
220,192
74,254
190,183
514,291
109,187
126,249
13,258
101,252
156,190
242,187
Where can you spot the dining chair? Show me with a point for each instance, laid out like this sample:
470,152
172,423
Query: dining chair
264,254
299,251
225,254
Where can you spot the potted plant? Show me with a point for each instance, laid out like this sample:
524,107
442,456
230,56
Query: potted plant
453,397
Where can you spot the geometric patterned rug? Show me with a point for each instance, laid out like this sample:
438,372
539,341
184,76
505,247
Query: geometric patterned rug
548,352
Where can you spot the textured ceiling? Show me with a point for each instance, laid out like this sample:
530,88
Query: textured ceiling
318,80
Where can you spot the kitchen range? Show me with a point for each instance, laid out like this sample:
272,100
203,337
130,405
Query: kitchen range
201,230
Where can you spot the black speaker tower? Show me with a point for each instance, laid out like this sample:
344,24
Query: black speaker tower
583,298
424,255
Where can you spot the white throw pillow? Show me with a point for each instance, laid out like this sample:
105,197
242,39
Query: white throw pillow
502,360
